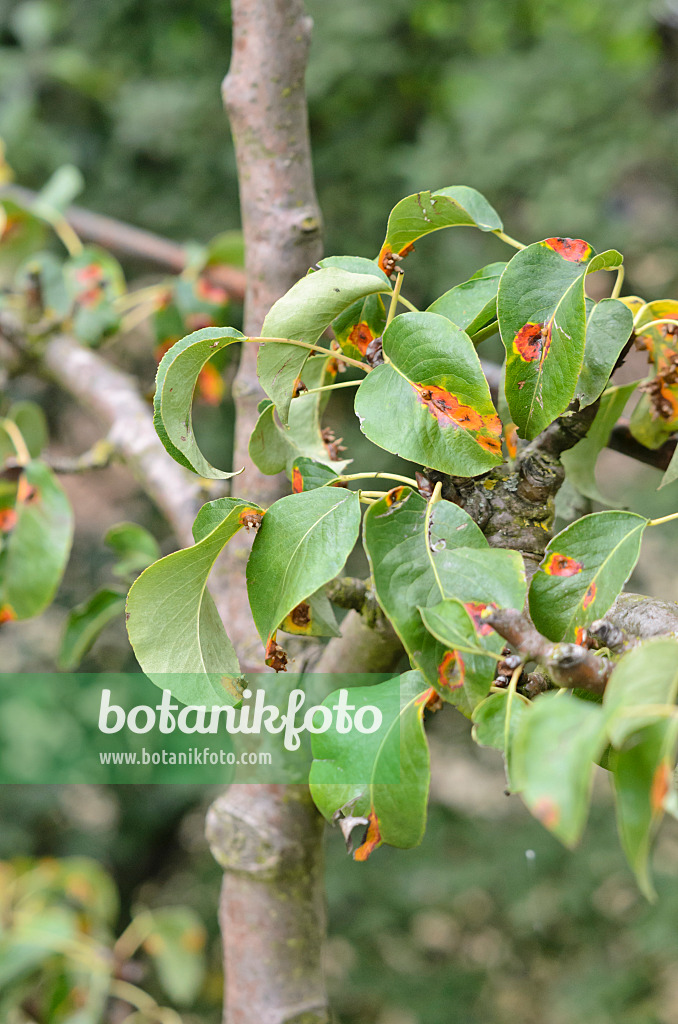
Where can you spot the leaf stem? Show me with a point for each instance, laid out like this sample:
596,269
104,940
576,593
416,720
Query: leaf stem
664,519
16,437
130,299
403,301
510,696
67,235
395,296
372,494
313,348
485,332
509,241
379,476
616,291
655,323
330,387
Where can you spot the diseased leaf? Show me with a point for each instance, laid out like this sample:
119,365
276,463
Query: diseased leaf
312,617
542,318
558,740
451,623
94,279
176,946
359,325
423,212
608,327
430,402
302,314
644,678
655,417
308,474
583,571
415,568
36,550
473,304
172,623
580,461
135,547
84,624
642,782
32,424
382,776
303,543
175,383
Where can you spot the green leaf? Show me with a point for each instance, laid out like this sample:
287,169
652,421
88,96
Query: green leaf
359,325
450,623
177,376
473,304
32,425
60,190
381,776
84,624
642,782
419,214
430,402
308,474
490,726
312,617
608,327
671,473
177,947
302,544
42,280
542,319
583,571
274,448
135,547
646,677
303,313
36,550
94,279
172,622
415,568
580,461
558,740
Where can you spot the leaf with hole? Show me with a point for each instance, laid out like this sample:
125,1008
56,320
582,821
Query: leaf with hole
542,318
430,401
583,571
420,214
302,544
381,776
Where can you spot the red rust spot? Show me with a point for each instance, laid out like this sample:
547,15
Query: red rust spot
511,440
490,444
429,699
547,811
7,614
8,519
575,250
446,408
561,565
210,385
297,480
332,367
533,342
660,787
372,838
580,635
389,260
207,290
90,278
26,493
298,388
361,336
451,671
589,596
475,610
250,518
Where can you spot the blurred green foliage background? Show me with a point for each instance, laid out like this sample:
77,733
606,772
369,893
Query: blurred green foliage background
566,116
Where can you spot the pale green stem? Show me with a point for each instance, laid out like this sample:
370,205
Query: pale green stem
372,494
510,696
16,437
330,387
403,301
616,291
130,299
509,240
379,476
664,519
395,296
655,323
313,348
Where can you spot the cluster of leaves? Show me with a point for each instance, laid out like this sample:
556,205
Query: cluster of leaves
60,959
425,397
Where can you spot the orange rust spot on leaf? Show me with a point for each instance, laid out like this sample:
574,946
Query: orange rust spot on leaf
210,385
394,495
372,838
490,444
7,614
446,408
250,518
361,336
580,635
8,519
297,480
533,342
511,440
575,250
275,656
207,290
26,493
298,388
299,620
547,811
660,787
451,671
475,610
589,596
389,260
561,565
429,699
